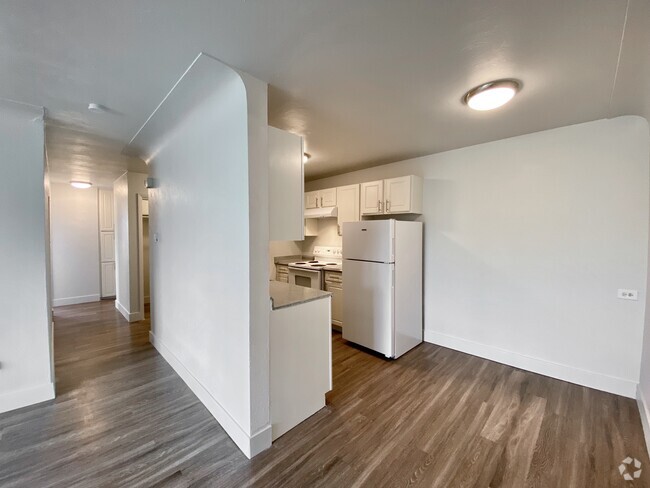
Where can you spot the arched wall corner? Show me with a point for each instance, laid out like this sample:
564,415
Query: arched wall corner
205,145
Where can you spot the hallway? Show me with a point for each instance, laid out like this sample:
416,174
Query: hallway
436,417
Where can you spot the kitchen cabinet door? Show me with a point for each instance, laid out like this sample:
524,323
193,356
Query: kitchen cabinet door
347,199
312,199
286,180
327,197
403,195
372,197
108,280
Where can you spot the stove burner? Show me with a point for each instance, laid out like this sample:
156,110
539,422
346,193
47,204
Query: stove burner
330,264
314,261
317,265
299,263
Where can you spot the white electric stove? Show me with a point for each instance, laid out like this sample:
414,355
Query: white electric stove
310,273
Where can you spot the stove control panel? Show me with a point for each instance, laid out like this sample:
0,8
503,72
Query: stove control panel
330,252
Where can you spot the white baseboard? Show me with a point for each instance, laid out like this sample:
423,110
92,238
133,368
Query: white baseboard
59,302
249,445
28,396
591,379
644,413
131,317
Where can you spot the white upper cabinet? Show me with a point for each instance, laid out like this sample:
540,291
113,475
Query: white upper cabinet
347,199
105,210
320,198
392,196
311,199
286,186
403,195
372,197
327,197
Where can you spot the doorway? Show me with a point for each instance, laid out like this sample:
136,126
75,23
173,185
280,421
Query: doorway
144,281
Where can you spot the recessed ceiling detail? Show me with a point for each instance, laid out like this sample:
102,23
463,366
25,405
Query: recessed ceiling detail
491,95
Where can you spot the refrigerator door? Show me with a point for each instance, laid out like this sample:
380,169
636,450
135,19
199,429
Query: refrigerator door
368,305
369,240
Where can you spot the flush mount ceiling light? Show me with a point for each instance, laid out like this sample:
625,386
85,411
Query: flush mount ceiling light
491,95
82,185
98,108
305,157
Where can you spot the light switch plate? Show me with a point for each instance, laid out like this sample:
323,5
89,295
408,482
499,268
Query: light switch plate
628,294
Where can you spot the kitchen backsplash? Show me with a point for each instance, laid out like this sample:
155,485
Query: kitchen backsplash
327,236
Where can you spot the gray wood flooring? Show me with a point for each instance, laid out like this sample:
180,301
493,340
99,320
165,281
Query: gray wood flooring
435,417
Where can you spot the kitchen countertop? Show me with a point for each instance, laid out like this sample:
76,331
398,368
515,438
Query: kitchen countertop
286,295
292,259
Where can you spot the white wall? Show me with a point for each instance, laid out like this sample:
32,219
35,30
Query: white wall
527,241
26,374
125,191
75,245
327,236
209,269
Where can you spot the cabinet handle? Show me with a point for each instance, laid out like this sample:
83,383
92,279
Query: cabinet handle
378,205
387,205
321,201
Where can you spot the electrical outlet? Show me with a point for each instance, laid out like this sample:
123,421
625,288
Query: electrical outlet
628,294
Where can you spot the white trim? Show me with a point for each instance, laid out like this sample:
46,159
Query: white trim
25,397
131,317
59,302
591,379
644,413
249,445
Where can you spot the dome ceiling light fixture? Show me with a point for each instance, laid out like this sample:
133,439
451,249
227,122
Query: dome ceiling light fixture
82,185
492,94
305,157
97,108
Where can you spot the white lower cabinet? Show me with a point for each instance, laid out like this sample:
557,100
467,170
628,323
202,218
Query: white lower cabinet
300,362
334,284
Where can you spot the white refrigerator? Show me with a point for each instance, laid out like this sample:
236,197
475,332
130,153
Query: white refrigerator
382,297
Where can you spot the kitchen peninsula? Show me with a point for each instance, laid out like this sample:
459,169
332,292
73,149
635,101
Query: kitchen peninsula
300,353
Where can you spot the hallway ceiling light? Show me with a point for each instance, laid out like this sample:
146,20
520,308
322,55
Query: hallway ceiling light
491,95
82,185
98,108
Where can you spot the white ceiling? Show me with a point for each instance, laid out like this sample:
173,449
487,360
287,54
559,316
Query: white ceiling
365,81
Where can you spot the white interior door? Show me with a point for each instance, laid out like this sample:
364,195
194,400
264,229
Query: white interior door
398,194
107,246
108,279
368,305
372,197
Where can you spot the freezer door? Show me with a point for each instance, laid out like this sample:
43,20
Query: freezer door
369,240
368,305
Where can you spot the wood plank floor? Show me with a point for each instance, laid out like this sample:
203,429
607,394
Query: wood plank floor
435,417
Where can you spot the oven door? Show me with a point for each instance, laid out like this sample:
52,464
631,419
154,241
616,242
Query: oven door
309,278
